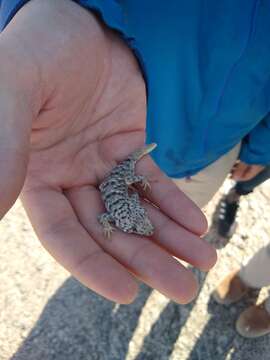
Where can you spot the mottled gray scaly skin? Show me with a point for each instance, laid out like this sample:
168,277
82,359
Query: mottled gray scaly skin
123,207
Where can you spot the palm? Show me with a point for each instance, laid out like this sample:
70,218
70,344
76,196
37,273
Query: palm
90,115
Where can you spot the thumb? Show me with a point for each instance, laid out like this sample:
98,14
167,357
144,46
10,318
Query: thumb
18,107
15,125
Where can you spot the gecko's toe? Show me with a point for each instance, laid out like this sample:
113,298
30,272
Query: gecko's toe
108,232
146,185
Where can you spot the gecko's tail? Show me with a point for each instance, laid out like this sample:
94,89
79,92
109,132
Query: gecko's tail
138,154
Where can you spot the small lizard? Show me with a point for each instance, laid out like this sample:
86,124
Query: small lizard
123,206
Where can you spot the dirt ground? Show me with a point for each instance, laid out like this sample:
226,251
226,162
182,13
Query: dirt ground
45,314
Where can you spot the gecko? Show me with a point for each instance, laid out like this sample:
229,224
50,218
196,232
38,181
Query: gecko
122,202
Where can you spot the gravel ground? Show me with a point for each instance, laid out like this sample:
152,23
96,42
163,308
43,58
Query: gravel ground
46,314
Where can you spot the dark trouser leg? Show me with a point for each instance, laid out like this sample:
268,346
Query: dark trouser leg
229,204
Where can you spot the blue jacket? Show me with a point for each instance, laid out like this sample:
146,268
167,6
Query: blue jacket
206,64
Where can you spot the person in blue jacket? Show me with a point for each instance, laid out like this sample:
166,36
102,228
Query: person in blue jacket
84,82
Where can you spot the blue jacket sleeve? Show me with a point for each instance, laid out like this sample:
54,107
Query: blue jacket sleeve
256,145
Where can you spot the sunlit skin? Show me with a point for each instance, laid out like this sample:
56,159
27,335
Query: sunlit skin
244,172
72,105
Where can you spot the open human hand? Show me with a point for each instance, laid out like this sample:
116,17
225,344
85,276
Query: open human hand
72,105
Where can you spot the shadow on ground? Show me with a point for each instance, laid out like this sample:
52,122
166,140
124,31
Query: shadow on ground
77,324
219,340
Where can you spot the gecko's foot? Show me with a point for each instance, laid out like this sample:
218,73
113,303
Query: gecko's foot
108,231
146,185
104,221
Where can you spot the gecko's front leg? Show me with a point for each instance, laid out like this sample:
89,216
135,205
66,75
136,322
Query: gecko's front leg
133,179
105,219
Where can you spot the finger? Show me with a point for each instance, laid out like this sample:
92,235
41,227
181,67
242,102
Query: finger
233,168
173,202
247,175
140,255
252,171
180,242
68,242
239,171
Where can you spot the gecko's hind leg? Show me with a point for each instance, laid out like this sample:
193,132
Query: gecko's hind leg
105,220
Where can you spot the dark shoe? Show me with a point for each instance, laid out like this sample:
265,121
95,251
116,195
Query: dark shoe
230,290
254,322
226,223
